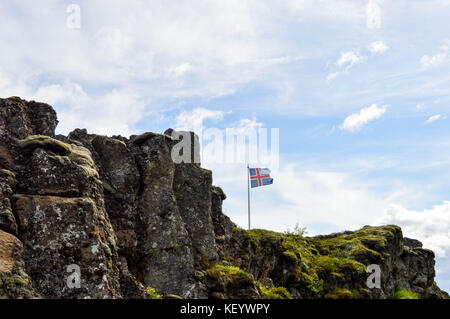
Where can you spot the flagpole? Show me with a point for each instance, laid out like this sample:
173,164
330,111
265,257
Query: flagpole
248,192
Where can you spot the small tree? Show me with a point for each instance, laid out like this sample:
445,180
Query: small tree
298,231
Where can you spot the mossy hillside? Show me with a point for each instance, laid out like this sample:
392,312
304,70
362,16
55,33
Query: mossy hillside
320,265
368,245
320,272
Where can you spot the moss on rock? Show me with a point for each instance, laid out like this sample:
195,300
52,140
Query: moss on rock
272,292
405,294
77,154
340,293
153,294
229,274
41,141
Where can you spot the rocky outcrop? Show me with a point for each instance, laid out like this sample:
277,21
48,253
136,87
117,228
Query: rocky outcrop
135,222
336,266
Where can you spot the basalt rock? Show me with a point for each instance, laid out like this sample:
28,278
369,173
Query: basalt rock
135,222
14,281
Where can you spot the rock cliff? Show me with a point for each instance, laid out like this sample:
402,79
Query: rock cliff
138,225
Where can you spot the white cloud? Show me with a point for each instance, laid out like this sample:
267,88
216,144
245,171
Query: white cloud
378,47
349,59
433,118
333,75
112,43
373,14
4,80
431,226
345,62
433,61
429,61
245,124
193,120
356,121
181,69
57,93
112,113
446,44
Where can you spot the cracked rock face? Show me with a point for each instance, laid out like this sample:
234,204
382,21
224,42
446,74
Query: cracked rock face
130,217
59,232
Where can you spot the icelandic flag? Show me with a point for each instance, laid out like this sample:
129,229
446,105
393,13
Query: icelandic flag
260,177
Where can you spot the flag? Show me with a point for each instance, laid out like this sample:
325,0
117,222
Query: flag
260,177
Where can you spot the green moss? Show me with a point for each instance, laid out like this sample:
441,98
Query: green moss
81,156
152,292
204,259
405,294
299,247
290,255
340,293
78,154
313,282
272,292
8,173
321,266
365,246
16,285
338,265
45,142
256,235
229,274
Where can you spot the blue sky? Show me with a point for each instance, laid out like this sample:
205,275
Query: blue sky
358,89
